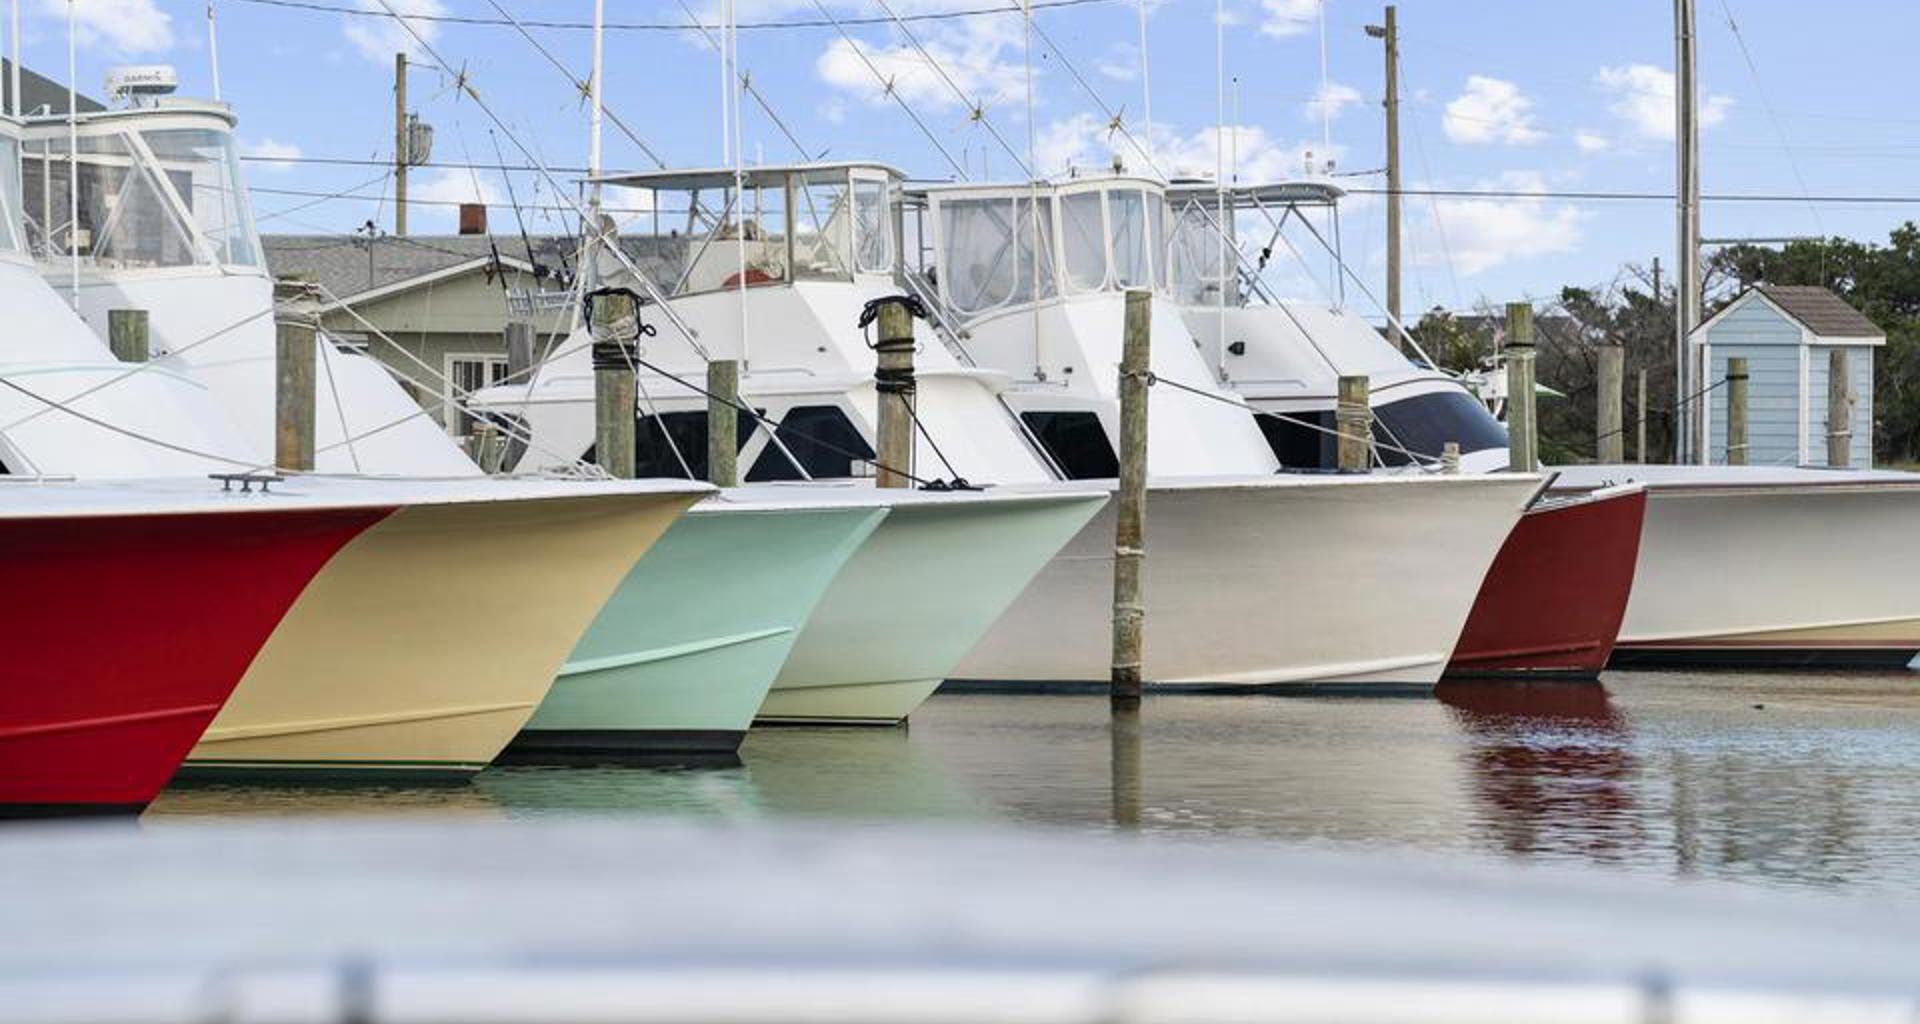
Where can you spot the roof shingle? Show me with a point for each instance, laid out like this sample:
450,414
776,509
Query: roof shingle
1821,311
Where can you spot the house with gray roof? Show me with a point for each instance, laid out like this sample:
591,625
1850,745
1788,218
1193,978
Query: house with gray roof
1787,335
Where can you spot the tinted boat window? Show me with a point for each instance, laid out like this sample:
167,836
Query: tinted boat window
1296,442
1425,423
1077,443
822,438
653,456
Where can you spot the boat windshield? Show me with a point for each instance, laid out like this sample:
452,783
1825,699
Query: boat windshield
1424,424
987,251
1195,259
165,197
1112,238
710,235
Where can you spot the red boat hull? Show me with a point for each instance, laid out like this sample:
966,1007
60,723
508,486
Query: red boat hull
123,636
1554,599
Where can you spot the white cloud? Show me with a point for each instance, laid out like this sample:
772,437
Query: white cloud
1643,96
1329,101
979,57
432,203
125,26
272,154
1082,142
1121,63
378,39
1592,142
1480,234
1283,18
1490,110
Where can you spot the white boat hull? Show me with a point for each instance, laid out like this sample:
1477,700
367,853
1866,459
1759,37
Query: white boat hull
1760,566
1325,581
921,591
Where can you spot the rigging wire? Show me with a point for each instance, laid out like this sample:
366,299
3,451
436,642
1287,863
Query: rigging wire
663,26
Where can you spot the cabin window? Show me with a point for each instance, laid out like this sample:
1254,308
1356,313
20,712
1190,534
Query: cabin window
1077,443
987,257
1085,241
821,437
1425,423
872,228
656,437
1194,257
1127,215
204,172
1301,440
822,227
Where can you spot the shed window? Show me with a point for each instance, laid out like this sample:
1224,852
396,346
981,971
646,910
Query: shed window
1076,441
824,441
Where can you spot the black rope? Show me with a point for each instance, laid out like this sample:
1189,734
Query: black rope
900,382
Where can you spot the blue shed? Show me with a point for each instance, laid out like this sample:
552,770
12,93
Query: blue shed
1786,334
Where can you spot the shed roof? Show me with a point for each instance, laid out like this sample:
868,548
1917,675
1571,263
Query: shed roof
1820,310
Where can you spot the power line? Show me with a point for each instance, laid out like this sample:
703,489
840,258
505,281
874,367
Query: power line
669,26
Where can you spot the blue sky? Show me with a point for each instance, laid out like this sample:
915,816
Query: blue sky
1521,96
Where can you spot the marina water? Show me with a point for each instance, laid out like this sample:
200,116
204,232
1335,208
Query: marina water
1774,779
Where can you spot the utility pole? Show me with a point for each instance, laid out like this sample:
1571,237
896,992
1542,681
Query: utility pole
400,144
1390,33
1687,212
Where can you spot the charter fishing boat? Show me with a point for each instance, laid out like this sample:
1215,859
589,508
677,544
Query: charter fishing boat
777,274
1255,577
1722,571
431,635
131,611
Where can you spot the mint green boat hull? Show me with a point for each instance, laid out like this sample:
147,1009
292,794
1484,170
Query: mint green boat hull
682,656
916,598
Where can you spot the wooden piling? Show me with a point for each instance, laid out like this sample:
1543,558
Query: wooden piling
1450,457
519,344
127,335
1130,520
1353,420
296,372
723,422
1610,436
893,377
1523,446
1736,411
615,397
1839,409
1640,421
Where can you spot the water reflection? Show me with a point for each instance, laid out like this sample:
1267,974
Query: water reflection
1781,779
1551,766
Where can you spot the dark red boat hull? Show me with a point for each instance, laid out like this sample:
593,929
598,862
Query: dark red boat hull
1554,599
122,636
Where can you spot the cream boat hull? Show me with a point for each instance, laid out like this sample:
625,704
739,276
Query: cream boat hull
424,645
920,592
1759,566
681,658
1360,581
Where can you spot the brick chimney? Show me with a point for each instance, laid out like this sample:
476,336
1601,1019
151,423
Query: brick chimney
473,218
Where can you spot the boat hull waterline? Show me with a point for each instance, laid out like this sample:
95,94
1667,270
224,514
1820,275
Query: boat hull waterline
1772,568
916,597
425,644
1332,583
103,698
681,658
1552,603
